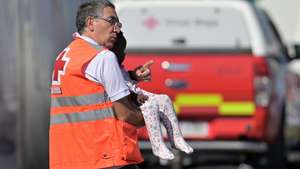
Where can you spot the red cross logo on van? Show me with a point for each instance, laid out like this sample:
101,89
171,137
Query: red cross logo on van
60,66
151,23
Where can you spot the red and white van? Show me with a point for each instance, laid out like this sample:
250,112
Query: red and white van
221,62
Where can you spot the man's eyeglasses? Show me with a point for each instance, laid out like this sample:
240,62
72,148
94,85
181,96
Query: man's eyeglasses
113,21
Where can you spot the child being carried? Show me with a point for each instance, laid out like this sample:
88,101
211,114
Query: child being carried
155,108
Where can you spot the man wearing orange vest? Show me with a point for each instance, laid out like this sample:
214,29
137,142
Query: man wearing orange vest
92,121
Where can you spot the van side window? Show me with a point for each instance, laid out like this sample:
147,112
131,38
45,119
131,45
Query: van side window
277,35
272,35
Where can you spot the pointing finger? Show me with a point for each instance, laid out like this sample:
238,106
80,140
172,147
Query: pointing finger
148,64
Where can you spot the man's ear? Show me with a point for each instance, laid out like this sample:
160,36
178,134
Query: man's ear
90,24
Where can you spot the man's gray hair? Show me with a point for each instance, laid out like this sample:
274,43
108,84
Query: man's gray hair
92,9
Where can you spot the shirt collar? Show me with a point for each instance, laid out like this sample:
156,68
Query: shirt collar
88,39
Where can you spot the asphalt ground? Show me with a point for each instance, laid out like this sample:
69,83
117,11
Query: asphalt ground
8,161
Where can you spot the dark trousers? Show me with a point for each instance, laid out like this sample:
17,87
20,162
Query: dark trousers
130,167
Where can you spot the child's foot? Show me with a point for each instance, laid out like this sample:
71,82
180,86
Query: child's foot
152,122
180,144
162,152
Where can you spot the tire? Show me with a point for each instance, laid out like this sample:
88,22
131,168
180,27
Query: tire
276,155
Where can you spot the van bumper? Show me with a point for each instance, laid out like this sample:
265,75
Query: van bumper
231,146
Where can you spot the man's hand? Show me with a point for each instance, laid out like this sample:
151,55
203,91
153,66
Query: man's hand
143,73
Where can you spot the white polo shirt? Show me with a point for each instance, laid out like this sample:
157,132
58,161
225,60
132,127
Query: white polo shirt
104,69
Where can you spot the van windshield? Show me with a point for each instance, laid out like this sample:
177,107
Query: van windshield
184,28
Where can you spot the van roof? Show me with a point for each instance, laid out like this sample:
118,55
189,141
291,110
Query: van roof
253,30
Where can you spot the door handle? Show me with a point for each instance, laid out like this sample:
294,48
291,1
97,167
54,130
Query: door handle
176,83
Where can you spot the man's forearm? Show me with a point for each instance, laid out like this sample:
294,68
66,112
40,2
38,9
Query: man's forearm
126,111
135,119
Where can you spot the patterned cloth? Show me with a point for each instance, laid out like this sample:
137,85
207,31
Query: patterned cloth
159,108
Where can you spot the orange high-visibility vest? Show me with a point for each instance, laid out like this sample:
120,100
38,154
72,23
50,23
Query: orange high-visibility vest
84,133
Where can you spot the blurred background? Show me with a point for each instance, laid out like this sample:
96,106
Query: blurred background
34,31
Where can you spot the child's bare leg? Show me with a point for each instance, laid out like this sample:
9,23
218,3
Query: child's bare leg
169,118
150,112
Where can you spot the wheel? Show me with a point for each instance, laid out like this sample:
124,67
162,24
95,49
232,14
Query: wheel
276,154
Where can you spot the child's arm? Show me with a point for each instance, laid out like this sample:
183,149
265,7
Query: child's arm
142,73
141,98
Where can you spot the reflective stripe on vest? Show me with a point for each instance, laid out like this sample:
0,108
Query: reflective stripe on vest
73,117
81,116
78,100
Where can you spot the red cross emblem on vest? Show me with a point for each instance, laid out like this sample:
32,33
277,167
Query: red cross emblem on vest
60,66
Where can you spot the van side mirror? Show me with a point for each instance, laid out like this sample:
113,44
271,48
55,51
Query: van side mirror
297,51
293,52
